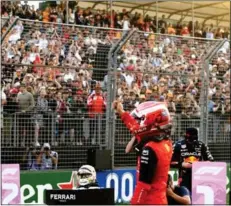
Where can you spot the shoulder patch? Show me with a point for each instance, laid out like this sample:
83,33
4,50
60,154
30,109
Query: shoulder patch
183,146
145,152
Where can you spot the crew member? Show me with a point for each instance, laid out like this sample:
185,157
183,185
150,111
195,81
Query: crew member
187,151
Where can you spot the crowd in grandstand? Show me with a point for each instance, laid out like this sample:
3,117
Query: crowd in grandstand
151,67
102,18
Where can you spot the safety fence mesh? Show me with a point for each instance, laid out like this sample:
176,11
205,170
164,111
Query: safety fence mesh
218,137
64,68
71,71
153,67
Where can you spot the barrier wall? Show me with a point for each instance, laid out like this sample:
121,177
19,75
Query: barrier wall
33,184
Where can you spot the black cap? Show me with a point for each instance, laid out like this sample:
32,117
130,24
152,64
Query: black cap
191,134
192,131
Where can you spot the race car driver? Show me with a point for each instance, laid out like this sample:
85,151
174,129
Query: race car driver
86,178
150,123
187,151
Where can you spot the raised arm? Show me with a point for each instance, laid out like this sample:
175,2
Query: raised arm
127,119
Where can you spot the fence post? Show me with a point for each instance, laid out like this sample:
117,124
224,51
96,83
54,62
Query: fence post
108,113
111,92
8,29
205,86
124,39
204,103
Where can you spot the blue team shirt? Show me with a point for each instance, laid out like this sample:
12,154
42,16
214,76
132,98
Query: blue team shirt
181,191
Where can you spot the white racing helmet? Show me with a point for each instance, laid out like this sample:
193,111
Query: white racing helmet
86,175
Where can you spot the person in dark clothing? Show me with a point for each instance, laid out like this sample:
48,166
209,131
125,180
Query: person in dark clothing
186,152
26,105
46,132
162,22
127,103
177,195
78,109
52,103
10,108
11,105
41,116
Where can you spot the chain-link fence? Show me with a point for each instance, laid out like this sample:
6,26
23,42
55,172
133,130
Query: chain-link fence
164,68
218,137
65,69
75,72
70,115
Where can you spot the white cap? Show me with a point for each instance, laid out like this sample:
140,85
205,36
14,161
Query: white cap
17,84
46,145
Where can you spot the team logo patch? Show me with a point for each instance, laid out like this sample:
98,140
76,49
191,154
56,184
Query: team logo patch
145,152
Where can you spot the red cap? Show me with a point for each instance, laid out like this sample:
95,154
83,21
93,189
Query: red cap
14,91
130,68
79,92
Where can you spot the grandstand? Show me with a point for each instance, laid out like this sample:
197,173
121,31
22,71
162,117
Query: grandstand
64,60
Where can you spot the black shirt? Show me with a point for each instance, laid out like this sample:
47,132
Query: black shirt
183,151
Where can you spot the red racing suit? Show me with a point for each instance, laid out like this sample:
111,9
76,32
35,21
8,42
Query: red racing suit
152,168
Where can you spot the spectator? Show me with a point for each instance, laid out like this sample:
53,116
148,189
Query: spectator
26,105
78,109
102,19
142,98
129,77
49,158
127,102
41,115
46,15
198,30
61,110
52,103
216,106
126,23
49,45
171,30
71,16
209,34
53,15
148,95
32,157
3,102
11,105
60,16
162,22
185,31
96,103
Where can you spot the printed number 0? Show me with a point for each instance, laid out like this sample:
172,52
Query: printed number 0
208,194
113,177
10,186
129,177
